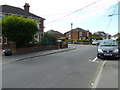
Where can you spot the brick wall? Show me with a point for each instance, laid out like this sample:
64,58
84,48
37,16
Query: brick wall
33,49
74,35
41,25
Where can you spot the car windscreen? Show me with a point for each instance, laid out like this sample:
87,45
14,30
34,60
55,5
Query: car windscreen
108,43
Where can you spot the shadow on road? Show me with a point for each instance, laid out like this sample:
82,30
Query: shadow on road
110,59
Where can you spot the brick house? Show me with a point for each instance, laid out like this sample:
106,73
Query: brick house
11,10
78,34
102,35
56,33
116,36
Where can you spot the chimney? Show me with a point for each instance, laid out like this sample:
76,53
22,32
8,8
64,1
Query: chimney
26,7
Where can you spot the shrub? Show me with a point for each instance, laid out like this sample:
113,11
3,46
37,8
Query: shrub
118,40
19,29
48,39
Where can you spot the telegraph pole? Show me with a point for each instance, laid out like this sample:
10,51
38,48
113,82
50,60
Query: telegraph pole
71,26
118,19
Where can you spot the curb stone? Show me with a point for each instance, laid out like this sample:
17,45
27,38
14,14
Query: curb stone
49,53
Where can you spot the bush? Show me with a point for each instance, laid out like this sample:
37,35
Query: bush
118,40
19,29
48,39
61,39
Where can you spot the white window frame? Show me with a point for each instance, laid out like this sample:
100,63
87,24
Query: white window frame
5,40
87,34
80,34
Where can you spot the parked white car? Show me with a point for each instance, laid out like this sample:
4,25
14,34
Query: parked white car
96,42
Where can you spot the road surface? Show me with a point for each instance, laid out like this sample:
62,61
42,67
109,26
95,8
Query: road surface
70,69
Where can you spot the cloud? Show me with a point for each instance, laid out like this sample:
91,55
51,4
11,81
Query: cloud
44,8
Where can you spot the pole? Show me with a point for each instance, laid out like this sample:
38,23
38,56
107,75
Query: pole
71,26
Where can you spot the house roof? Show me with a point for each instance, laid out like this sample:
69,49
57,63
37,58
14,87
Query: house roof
77,30
7,9
116,35
55,32
101,33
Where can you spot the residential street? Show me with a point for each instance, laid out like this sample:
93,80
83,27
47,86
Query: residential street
44,45
75,68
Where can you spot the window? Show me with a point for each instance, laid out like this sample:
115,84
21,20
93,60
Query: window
87,34
5,40
80,33
38,25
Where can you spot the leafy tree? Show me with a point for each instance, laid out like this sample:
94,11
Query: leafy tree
48,39
19,29
94,36
118,40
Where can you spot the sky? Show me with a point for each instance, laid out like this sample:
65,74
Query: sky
90,15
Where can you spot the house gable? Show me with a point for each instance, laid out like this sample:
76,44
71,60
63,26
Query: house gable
7,9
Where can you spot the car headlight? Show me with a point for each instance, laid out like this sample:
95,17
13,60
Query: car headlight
116,51
100,50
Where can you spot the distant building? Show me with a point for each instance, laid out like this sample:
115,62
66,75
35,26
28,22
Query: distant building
115,36
78,34
56,33
11,10
102,35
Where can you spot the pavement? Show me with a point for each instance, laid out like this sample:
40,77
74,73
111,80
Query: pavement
13,58
107,76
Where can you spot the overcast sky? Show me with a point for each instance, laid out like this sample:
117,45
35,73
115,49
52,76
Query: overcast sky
90,15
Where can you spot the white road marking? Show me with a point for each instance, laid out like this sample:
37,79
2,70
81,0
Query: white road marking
94,60
98,77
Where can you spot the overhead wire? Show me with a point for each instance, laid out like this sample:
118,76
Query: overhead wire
52,14
95,9
111,18
73,12
86,7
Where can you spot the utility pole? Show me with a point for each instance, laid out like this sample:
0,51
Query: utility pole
118,19
71,26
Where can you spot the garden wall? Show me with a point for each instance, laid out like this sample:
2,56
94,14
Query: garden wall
32,49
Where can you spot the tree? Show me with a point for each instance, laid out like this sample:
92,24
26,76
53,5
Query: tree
19,29
118,40
94,36
48,39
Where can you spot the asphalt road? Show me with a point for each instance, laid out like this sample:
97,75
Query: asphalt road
70,69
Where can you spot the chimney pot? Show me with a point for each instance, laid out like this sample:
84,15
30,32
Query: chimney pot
26,7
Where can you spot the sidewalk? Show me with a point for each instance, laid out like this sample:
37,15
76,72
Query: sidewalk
109,75
7,59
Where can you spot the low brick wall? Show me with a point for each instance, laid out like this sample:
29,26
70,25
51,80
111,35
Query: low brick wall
33,49
84,43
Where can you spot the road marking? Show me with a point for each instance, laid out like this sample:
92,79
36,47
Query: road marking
98,77
94,60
